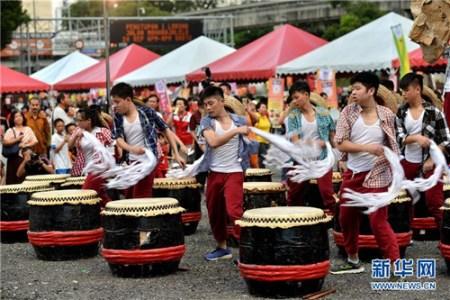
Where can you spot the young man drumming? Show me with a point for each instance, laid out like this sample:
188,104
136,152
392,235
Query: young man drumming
362,130
226,158
136,129
419,122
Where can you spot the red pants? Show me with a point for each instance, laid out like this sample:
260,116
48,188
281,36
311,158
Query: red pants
97,183
434,197
325,185
142,189
447,107
224,197
350,217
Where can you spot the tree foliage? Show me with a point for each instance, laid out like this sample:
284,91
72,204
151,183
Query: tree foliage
133,8
357,14
12,16
244,36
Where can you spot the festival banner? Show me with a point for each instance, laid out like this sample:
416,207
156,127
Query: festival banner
400,44
164,101
275,88
326,83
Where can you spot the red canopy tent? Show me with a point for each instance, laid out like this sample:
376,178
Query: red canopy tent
259,59
15,82
120,63
416,61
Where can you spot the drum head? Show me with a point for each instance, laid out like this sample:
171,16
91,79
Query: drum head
282,217
402,196
263,187
174,183
53,178
74,197
143,207
29,187
257,172
74,181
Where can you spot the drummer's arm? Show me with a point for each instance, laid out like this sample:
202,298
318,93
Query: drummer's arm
331,139
215,141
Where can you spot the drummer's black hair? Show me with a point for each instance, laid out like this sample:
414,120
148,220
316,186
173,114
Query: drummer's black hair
367,79
122,90
411,79
299,86
92,113
211,91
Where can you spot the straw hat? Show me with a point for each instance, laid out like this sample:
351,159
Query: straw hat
400,99
318,100
390,101
431,95
234,105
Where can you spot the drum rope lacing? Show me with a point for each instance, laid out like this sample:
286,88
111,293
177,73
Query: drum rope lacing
14,225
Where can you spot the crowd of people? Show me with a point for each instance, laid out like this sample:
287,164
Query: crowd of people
41,140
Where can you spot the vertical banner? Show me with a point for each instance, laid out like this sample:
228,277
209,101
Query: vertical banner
276,94
400,44
326,83
164,101
275,105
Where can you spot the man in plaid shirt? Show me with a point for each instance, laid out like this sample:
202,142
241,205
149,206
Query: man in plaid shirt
418,122
362,130
136,129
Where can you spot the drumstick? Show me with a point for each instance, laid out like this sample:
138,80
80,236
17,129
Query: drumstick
320,294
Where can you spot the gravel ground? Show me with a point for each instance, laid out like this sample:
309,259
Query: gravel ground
25,277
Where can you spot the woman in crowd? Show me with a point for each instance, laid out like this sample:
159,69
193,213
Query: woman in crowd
19,134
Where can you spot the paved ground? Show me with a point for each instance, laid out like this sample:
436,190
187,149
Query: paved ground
25,277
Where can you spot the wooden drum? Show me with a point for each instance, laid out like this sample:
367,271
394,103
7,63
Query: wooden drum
65,224
255,175
445,234
187,192
143,236
263,194
14,210
423,224
284,251
399,216
52,179
73,183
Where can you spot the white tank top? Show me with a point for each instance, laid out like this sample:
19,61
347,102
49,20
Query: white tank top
364,134
309,129
225,159
413,152
134,134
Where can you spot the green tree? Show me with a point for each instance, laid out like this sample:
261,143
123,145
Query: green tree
12,16
357,14
244,36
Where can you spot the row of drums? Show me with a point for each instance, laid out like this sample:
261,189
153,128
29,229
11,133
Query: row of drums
280,246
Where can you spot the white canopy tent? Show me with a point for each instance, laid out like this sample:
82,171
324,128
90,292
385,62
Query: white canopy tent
175,65
370,47
64,67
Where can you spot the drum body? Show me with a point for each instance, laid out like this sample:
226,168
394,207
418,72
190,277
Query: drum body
14,210
55,180
65,224
258,175
399,216
445,234
311,195
143,237
423,224
284,251
73,183
263,194
188,193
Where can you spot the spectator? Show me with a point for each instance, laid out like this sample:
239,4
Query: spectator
39,124
19,134
263,123
60,109
33,164
226,88
153,102
180,120
60,149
